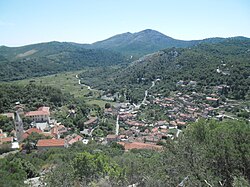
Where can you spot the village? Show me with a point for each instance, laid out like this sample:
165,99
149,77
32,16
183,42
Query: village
132,130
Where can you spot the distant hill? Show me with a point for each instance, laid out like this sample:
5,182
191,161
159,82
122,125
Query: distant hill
210,65
143,42
52,57
146,41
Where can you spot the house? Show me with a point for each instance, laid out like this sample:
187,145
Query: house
151,138
31,130
155,130
213,101
8,115
134,123
164,131
139,145
2,134
73,138
40,125
108,111
91,121
160,123
112,138
50,143
126,116
5,139
181,124
41,114
27,133
172,124
58,130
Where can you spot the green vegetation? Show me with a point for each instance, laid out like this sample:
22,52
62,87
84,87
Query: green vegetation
210,65
6,124
33,96
66,82
208,152
145,42
50,58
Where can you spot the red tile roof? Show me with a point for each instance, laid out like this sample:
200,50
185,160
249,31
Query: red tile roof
75,139
50,143
164,130
58,129
139,145
91,121
40,111
181,123
134,123
36,113
29,131
35,130
5,140
112,136
155,129
211,99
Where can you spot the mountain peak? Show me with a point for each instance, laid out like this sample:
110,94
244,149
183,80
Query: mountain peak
145,41
149,31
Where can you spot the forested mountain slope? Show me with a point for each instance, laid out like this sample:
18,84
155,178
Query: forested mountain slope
225,63
49,58
145,42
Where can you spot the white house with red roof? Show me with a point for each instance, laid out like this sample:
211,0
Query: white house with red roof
41,114
4,138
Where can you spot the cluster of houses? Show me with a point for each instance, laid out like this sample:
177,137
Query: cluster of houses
180,109
53,134
135,134
56,135
132,133
183,108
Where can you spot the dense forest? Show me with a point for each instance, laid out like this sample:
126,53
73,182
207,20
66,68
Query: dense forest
209,65
208,153
50,58
33,96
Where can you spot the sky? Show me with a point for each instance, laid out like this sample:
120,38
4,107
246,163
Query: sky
25,22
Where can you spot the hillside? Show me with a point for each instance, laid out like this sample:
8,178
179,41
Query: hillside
49,58
197,154
144,42
54,57
210,65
